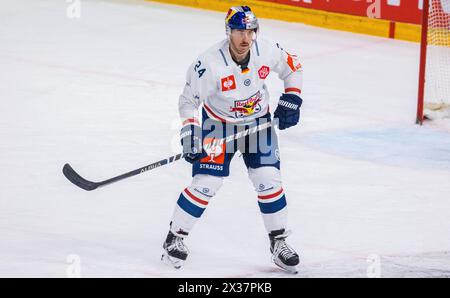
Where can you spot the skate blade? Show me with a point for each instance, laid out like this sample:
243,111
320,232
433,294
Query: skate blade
288,269
171,261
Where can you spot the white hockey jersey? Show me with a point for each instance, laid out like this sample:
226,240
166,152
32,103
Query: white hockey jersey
230,94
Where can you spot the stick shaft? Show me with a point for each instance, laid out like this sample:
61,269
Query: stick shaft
79,181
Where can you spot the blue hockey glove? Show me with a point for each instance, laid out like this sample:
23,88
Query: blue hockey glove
191,140
288,110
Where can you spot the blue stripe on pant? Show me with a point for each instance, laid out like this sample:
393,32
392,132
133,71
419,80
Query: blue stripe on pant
273,207
190,208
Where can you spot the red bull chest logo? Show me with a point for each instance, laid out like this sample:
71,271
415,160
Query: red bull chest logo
247,107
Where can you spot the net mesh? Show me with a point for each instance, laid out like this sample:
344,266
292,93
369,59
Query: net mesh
437,84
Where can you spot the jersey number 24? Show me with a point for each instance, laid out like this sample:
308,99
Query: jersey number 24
199,71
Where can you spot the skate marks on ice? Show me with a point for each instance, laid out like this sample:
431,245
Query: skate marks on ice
431,264
428,265
409,147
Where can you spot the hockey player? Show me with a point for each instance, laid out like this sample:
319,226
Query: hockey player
228,82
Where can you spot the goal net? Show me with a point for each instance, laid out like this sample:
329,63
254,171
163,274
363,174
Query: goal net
434,82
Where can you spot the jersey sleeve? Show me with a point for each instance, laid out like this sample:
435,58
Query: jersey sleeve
195,91
289,69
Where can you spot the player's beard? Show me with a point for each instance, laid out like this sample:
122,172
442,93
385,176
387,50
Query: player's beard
242,48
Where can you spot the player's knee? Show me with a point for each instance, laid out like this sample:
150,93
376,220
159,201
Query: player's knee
206,185
265,179
271,198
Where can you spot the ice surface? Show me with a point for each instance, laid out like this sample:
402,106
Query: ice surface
363,182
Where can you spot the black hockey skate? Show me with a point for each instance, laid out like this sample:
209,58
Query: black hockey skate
175,252
282,254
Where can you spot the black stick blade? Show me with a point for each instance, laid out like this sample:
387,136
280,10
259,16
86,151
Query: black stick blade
76,179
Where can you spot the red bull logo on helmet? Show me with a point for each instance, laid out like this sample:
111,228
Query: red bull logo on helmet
240,17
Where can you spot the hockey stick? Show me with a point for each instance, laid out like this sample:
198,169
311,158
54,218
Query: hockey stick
79,181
